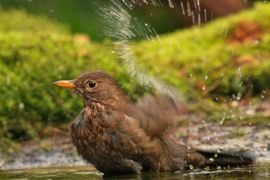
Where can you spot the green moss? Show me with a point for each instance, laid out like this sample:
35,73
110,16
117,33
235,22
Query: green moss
19,20
29,66
31,59
203,54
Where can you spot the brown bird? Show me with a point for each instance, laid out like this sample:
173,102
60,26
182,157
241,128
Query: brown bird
120,137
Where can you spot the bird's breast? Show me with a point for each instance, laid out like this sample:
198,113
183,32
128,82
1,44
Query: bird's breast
94,132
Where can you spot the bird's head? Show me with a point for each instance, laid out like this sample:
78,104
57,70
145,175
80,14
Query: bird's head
95,87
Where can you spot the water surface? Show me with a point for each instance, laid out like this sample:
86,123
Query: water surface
257,171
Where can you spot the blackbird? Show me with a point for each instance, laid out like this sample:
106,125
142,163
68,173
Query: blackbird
120,137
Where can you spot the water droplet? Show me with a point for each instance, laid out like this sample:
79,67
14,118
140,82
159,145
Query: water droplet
171,5
145,1
205,15
21,106
222,121
256,42
182,7
191,167
211,159
7,80
203,88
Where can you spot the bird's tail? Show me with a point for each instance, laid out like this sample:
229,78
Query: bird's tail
230,158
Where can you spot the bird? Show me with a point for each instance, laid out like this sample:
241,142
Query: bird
119,136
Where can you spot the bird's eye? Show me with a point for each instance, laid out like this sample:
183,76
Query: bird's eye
92,84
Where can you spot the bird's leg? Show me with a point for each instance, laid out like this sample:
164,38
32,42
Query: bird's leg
136,167
119,166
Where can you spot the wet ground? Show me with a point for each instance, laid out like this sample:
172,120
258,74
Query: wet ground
56,158
253,138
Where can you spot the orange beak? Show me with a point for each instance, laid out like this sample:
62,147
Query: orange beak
68,84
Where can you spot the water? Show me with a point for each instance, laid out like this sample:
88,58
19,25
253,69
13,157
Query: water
257,171
123,28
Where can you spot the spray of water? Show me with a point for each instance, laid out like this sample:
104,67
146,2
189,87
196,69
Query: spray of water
122,28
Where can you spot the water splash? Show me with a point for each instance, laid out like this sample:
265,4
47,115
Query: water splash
122,28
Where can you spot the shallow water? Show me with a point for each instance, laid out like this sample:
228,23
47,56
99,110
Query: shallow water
257,171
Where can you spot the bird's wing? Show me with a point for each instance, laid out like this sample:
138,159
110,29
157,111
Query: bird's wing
156,113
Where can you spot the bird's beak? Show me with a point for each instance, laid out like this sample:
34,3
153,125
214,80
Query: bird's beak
68,84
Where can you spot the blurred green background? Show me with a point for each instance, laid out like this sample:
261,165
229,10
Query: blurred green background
82,16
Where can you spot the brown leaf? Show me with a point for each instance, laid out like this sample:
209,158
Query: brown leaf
245,59
245,32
